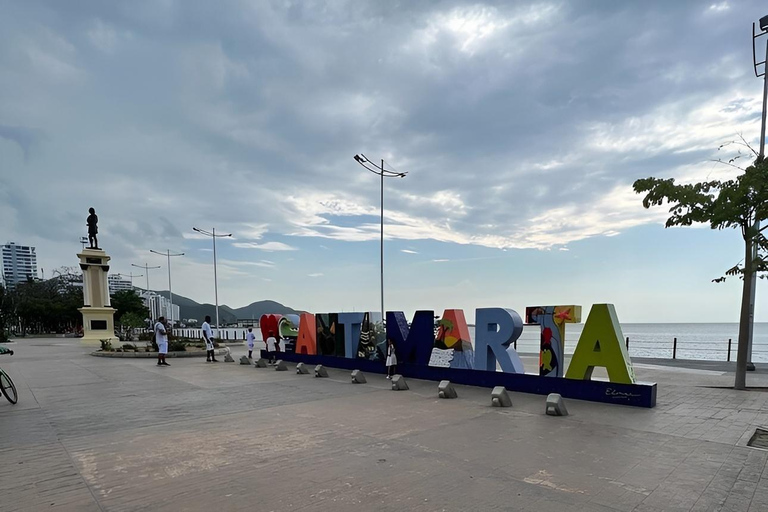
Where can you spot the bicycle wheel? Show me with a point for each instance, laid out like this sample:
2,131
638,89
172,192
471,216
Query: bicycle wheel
8,388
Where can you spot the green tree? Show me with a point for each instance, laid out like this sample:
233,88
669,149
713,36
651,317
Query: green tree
48,306
738,204
130,321
7,313
128,301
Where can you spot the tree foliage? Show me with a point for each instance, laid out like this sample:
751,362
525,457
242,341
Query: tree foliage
128,301
42,306
740,203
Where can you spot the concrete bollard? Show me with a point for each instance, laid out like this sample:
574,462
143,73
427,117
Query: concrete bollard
556,405
245,360
398,383
280,366
228,358
302,369
446,390
320,371
500,397
260,363
358,377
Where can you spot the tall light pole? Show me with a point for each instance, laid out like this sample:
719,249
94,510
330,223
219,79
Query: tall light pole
213,235
168,254
147,268
382,173
761,156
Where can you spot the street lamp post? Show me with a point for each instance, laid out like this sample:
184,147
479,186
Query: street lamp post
168,254
382,173
213,235
761,156
147,268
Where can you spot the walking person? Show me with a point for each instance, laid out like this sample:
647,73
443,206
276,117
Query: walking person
208,338
391,358
271,347
161,338
250,340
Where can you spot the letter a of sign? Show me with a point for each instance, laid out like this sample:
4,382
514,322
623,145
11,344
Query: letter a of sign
601,344
306,343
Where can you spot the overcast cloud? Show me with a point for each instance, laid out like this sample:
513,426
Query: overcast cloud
521,125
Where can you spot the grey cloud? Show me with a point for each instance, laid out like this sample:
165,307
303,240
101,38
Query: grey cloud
26,138
213,114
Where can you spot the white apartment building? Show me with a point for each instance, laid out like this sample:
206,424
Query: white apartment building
159,305
117,283
19,264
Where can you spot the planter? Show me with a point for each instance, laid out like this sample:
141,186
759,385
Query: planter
153,355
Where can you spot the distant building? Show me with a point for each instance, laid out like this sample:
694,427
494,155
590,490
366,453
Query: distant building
159,305
117,283
19,264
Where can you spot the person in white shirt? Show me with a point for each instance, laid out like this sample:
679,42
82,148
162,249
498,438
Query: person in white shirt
271,347
250,339
161,338
208,338
391,358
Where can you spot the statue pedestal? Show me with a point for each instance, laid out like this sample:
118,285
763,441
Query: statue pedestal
98,314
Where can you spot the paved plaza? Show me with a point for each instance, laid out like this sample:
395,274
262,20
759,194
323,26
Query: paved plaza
92,434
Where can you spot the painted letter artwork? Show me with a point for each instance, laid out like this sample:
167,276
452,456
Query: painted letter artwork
442,349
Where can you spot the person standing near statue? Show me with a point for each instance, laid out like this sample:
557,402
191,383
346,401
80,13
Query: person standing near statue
93,228
250,340
208,338
161,338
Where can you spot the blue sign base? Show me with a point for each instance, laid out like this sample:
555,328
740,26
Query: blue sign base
641,394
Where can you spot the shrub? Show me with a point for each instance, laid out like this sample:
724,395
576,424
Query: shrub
129,346
146,336
177,346
106,345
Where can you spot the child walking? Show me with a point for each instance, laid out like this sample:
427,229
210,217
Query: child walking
391,358
250,340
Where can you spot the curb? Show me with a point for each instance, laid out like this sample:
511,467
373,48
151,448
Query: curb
153,355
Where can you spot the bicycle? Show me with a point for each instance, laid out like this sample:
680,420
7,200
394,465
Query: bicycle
7,387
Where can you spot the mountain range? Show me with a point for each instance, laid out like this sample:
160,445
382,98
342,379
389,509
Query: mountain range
188,308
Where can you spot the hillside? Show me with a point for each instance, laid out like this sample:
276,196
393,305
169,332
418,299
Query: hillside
263,307
188,308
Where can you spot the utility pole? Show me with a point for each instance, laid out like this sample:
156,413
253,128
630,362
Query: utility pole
131,276
147,268
168,254
382,173
213,235
761,156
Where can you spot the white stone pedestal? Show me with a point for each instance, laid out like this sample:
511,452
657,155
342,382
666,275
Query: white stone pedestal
98,314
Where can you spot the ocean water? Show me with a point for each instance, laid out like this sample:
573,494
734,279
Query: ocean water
694,341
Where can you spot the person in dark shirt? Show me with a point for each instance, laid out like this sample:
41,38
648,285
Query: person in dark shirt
93,229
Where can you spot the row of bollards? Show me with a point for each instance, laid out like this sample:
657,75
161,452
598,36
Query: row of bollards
555,405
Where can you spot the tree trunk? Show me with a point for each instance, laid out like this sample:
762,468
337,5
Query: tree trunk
746,295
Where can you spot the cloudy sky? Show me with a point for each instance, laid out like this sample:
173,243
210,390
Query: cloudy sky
522,126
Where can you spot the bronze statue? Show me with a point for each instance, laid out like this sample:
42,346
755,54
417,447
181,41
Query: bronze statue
93,229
